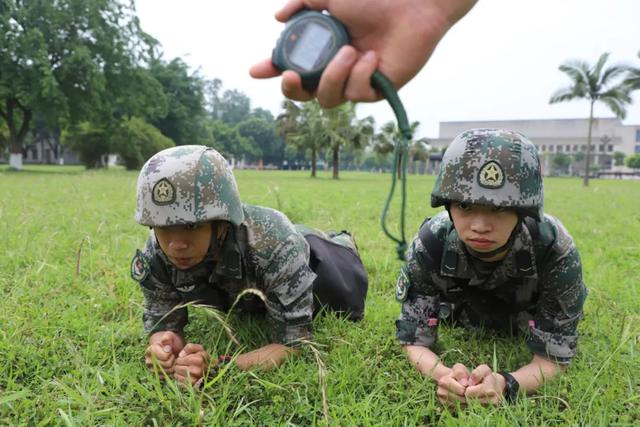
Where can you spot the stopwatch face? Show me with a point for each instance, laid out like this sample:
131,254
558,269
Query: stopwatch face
308,43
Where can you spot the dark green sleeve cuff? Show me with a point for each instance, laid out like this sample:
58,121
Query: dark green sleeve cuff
557,347
409,333
292,334
174,321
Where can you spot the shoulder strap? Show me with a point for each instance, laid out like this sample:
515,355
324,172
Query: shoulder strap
532,226
431,242
540,240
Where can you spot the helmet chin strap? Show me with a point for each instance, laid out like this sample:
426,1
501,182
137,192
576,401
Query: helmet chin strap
219,231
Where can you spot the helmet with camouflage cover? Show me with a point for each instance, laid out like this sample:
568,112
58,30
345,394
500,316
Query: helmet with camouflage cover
185,185
494,167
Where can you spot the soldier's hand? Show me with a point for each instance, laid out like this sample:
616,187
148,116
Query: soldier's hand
162,351
485,385
452,386
191,365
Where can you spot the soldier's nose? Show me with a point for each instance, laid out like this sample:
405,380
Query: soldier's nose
178,245
480,224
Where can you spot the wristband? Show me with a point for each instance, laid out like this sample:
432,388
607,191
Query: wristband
511,387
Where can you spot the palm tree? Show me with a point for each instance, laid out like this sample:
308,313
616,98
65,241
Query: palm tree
307,131
343,128
384,143
595,84
418,152
633,78
287,121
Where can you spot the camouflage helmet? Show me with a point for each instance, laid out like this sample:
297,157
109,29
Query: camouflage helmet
494,167
187,184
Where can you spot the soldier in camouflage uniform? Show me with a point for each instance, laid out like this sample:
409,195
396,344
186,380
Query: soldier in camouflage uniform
494,260
208,247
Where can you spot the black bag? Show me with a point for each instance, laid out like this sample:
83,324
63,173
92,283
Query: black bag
342,282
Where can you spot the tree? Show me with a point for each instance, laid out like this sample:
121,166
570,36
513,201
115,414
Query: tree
343,128
263,114
305,129
137,141
69,61
561,162
184,91
286,127
90,142
261,135
4,137
618,158
419,151
595,84
212,97
633,78
287,121
228,141
633,161
234,107
385,141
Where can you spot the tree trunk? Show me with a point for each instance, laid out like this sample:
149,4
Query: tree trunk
335,163
15,161
16,136
588,154
313,162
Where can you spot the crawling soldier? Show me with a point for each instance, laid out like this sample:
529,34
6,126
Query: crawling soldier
492,259
206,246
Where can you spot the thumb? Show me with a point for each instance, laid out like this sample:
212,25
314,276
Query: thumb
166,342
478,374
190,348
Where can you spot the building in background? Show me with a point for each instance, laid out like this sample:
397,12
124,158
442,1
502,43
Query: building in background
48,151
562,143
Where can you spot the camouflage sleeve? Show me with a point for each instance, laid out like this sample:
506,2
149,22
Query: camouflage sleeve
160,297
418,321
553,330
288,282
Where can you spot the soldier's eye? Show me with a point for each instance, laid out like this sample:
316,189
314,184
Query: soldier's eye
191,226
499,209
464,206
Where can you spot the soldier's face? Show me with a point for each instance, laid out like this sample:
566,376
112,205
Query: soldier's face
184,245
483,228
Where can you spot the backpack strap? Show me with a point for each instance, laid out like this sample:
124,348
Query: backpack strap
431,243
532,226
542,240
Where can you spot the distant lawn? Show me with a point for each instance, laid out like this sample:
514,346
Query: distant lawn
4,167
72,345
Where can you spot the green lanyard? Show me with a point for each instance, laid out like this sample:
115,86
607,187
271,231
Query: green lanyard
400,154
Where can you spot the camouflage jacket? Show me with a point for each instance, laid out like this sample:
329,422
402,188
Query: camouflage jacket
265,252
537,287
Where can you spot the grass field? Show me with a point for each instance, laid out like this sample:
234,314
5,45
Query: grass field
71,341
